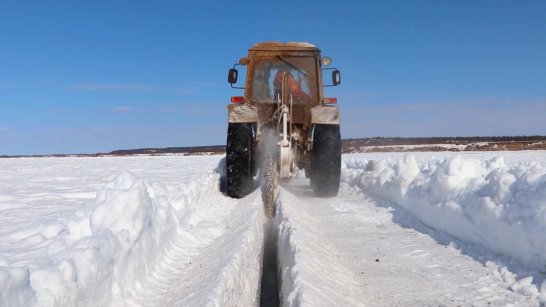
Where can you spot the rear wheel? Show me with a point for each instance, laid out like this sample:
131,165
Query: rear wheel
239,160
326,160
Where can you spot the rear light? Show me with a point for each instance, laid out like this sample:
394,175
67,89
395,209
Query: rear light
330,100
238,99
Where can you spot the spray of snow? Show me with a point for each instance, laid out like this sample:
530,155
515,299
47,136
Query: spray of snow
269,157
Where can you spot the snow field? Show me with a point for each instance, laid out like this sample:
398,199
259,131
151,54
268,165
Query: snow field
139,242
482,201
156,231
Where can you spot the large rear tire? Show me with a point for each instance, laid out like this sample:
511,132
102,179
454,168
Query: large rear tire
239,160
326,160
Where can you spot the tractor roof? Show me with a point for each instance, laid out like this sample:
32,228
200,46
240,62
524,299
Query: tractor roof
273,46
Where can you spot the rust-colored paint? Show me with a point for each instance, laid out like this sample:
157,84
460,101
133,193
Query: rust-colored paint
301,112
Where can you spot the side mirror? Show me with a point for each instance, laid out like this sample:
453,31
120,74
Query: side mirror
232,76
336,77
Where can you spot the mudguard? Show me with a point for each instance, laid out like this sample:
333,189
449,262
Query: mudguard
242,113
325,115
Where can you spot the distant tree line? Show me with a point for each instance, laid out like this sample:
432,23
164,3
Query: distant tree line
186,150
347,145
459,140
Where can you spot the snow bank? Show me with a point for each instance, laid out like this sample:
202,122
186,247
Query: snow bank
136,239
92,244
500,207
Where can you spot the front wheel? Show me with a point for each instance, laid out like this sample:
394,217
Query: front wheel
239,159
326,160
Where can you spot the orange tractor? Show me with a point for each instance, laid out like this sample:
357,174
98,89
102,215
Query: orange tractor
283,123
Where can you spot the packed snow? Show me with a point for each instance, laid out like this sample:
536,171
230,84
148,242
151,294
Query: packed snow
406,229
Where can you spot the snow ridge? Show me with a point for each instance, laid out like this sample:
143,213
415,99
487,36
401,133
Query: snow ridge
144,243
487,203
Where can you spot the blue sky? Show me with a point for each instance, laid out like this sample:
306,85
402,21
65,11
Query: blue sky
96,76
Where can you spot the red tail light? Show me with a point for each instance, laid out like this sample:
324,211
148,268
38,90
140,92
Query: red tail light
238,99
330,100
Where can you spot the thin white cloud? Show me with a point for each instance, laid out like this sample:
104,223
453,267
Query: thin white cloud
107,87
3,129
129,87
123,109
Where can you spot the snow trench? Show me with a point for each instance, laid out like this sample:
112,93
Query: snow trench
140,243
499,207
